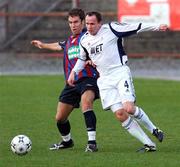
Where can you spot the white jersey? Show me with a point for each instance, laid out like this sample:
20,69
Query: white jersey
105,49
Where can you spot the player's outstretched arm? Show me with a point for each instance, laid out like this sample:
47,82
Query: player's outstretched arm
50,46
148,27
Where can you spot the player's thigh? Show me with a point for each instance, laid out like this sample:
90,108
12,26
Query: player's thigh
87,99
109,97
126,89
63,111
89,87
108,92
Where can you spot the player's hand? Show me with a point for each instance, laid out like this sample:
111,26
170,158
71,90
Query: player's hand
71,78
37,43
89,62
163,27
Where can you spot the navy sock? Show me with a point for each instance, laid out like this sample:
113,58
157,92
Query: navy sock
64,127
90,120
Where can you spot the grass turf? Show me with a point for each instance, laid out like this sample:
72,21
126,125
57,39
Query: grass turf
28,106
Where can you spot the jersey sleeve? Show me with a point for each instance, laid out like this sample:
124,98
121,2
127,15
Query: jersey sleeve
79,66
124,29
83,55
148,27
62,44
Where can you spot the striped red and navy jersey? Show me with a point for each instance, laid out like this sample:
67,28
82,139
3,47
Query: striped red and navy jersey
71,53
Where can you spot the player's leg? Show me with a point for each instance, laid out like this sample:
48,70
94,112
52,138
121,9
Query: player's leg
68,100
139,114
132,126
127,93
63,125
143,118
90,92
110,98
90,119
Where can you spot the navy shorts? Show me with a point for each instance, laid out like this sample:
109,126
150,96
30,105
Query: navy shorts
72,95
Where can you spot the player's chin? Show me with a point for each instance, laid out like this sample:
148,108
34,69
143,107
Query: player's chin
91,32
75,32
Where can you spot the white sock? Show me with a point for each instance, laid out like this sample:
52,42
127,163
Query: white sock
67,137
91,135
135,130
142,117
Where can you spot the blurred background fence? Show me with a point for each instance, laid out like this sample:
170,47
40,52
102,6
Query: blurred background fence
22,21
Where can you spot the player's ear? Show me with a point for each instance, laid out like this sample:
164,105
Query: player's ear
83,22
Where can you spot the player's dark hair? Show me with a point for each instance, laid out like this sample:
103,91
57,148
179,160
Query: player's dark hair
77,12
97,14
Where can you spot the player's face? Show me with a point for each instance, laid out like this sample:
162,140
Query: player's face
92,24
75,24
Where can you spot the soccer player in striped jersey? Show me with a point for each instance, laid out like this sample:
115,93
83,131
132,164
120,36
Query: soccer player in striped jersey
85,89
104,45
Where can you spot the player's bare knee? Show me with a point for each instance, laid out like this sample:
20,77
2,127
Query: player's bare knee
86,104
129,108
59,117
121,115
87,98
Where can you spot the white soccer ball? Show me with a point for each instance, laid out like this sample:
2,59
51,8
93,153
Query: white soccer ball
21,144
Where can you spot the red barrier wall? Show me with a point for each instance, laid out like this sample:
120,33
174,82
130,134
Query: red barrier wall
150,11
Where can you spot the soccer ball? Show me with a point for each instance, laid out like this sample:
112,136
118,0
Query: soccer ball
21,144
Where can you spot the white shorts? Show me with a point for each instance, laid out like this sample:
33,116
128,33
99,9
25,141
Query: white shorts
116,88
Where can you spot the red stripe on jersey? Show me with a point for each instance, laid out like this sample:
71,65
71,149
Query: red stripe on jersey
66,62
89,71
80,75
68,67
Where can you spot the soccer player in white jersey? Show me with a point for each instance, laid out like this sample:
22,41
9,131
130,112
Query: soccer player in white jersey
103,45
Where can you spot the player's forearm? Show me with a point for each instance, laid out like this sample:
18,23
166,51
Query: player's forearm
147,27
79,66
51,46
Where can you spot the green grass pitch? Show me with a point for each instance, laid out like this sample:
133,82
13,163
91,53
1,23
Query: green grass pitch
28,106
